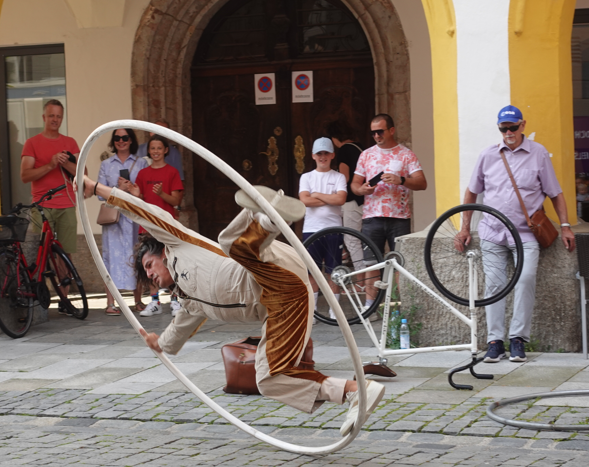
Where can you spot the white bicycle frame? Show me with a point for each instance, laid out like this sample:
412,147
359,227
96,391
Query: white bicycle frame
390,266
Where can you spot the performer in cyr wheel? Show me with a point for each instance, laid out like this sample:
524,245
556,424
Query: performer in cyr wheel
245,277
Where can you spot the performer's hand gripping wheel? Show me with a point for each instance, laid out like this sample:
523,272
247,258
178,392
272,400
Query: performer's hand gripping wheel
288,234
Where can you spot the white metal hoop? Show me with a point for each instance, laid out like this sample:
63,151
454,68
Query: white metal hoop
289,235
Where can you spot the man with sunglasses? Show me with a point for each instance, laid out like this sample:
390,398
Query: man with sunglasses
385,175
534,175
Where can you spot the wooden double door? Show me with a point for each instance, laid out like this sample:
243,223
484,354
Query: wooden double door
269,144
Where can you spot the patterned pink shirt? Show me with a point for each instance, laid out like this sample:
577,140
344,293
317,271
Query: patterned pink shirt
387,200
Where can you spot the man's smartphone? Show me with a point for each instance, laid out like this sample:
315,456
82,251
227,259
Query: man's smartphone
71,157
124,173
374,180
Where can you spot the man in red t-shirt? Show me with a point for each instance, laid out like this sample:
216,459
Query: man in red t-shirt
45,163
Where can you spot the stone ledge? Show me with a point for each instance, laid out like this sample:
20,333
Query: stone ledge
556,324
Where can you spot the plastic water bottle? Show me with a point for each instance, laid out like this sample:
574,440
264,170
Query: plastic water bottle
405,344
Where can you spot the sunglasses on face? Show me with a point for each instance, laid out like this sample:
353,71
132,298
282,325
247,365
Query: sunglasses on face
377,132
512,128
118,138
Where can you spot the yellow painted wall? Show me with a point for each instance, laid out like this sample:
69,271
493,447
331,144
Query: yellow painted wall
542,84
441,24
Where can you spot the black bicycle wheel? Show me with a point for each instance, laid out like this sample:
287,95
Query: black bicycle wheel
446,256
66,278
328,249
16,297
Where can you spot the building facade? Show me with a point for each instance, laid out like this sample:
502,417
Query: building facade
441,68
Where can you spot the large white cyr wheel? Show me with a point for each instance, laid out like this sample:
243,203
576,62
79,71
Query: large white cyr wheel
288,234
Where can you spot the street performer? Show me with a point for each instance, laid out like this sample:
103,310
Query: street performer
245,277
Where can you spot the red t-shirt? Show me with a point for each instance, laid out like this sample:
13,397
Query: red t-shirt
42,149
168,176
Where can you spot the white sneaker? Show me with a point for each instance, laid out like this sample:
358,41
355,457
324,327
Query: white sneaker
290,209
153,308
314,320
175,307
374,394
332,314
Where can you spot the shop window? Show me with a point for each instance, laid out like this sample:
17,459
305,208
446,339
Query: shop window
30,76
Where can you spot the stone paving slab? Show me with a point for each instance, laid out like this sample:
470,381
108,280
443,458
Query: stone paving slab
446,359
533,376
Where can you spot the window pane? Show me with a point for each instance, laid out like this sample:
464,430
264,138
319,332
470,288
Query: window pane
31,80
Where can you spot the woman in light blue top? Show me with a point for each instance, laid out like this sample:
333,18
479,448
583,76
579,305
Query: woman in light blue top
118,239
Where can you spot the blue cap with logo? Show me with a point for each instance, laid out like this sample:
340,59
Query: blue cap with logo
509,114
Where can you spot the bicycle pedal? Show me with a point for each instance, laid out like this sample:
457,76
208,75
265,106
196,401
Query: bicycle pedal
381,285
49,273
65,282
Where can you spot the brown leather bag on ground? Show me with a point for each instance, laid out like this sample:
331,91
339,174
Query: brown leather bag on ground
239,359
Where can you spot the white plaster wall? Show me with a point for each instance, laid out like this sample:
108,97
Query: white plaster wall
483,77
416,32
97,60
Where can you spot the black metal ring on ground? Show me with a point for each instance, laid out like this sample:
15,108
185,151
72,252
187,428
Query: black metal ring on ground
536,426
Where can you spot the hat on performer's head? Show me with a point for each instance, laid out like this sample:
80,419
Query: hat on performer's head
509,114
322,144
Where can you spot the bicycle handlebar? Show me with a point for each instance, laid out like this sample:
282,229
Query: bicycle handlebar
47,196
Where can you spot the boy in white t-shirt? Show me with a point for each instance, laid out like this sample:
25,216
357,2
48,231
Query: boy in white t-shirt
323,191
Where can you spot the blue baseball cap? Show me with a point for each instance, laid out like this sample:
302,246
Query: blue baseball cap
509,114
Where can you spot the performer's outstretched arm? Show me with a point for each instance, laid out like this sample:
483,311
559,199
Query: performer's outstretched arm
158,222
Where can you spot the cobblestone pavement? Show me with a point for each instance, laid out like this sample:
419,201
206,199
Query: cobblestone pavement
89,392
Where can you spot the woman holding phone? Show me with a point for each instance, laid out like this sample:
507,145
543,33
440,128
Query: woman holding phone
118,239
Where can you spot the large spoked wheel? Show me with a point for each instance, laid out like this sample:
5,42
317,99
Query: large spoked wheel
67,283
328,249
447,257
16,297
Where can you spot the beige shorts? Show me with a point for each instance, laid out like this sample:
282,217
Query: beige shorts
63,222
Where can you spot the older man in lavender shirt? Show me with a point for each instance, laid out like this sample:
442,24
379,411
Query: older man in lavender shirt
535,178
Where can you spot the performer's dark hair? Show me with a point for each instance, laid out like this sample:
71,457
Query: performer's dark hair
146,244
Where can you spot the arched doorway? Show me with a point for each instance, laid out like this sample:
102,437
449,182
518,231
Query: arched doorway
165,47
271,144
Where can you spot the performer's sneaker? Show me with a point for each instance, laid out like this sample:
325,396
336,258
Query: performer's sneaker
517,351
290,209
495,352
175,307
374,394
153,308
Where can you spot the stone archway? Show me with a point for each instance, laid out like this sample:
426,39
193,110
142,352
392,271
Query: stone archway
167,37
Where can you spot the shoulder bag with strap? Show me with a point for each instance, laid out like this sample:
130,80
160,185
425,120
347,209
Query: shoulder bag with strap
539,224
107,215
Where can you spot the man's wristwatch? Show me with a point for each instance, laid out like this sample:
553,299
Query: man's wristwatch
402,181
565,225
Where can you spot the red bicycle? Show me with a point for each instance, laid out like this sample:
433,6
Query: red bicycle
22,285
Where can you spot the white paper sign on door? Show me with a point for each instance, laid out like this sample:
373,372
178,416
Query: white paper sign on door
302,86
265,89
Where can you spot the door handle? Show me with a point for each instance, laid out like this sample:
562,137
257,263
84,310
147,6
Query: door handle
272,153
